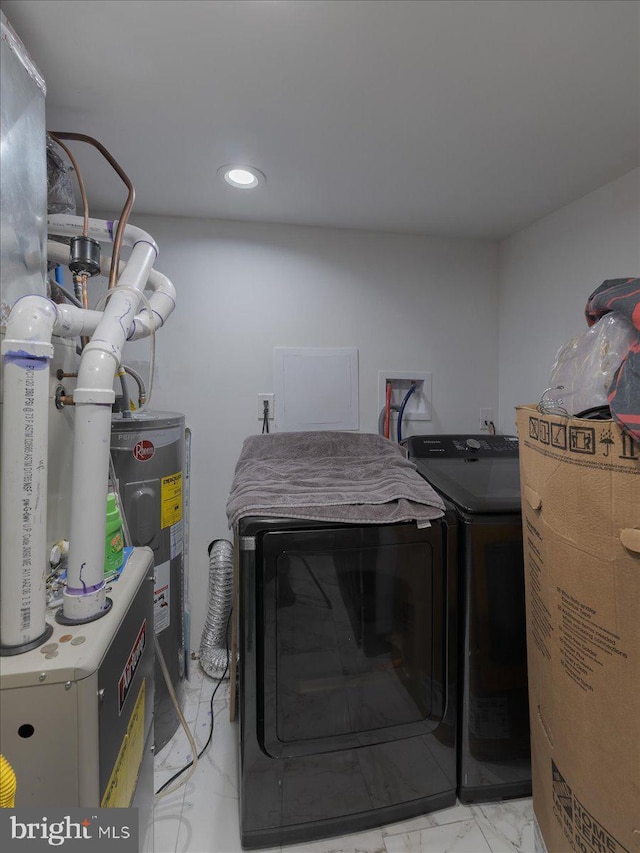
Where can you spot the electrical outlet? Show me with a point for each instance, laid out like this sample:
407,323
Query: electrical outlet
268,399
486,417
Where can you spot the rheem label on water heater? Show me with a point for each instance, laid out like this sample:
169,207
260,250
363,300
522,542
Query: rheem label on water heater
144,450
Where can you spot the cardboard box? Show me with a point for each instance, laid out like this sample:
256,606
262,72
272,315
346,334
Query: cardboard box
538,841
580,483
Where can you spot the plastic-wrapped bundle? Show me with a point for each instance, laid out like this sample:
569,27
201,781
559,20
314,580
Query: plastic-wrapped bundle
215,642
60,195
585,367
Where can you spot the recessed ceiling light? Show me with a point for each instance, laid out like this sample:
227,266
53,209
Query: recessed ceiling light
242,177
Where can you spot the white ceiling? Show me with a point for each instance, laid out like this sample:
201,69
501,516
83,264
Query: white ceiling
460,118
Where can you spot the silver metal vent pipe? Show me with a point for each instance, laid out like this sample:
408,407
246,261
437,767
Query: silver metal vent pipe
214,645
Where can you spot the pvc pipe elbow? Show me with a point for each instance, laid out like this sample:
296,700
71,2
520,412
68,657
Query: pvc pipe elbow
162,304
95,376
72,321
138,268
133,235
162,286
30,327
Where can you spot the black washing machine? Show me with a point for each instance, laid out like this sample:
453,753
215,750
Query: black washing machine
479,475
348,676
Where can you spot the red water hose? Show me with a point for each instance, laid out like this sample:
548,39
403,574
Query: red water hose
387,412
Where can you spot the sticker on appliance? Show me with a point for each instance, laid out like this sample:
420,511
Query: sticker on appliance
135,656
162,597
171,500
176,532
122,782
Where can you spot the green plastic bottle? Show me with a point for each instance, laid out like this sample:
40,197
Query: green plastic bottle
114,543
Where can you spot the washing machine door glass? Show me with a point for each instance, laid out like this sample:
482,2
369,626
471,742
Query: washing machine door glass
353,637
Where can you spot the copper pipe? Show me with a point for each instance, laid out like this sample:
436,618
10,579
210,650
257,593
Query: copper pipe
77,288
61,398
126,210
80,283
83,192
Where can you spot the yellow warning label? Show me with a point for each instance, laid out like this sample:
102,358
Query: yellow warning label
124,776
171,500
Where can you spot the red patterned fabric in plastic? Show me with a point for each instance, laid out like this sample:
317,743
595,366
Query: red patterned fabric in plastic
623,295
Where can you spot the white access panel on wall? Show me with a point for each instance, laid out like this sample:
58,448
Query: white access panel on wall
316,388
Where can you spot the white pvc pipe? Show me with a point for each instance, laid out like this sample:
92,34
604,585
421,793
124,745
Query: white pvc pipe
72,322
84,596
26,352
101,230
161,303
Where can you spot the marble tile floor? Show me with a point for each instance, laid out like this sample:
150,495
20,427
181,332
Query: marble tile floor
202,816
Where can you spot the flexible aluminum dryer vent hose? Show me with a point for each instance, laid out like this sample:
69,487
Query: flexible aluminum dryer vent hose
214,644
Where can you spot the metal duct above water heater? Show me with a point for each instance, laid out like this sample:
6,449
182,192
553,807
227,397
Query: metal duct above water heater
148,452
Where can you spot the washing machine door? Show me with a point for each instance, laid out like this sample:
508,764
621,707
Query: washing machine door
354,637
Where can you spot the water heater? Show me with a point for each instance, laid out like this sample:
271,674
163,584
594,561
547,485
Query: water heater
148,451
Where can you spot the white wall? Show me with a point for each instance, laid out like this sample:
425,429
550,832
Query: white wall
546,274
407,303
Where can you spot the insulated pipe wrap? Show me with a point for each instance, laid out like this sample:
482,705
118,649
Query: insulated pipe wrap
214,646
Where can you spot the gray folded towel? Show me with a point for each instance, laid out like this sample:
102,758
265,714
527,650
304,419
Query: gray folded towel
329,476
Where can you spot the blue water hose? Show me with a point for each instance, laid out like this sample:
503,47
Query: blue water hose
402,407
59,274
